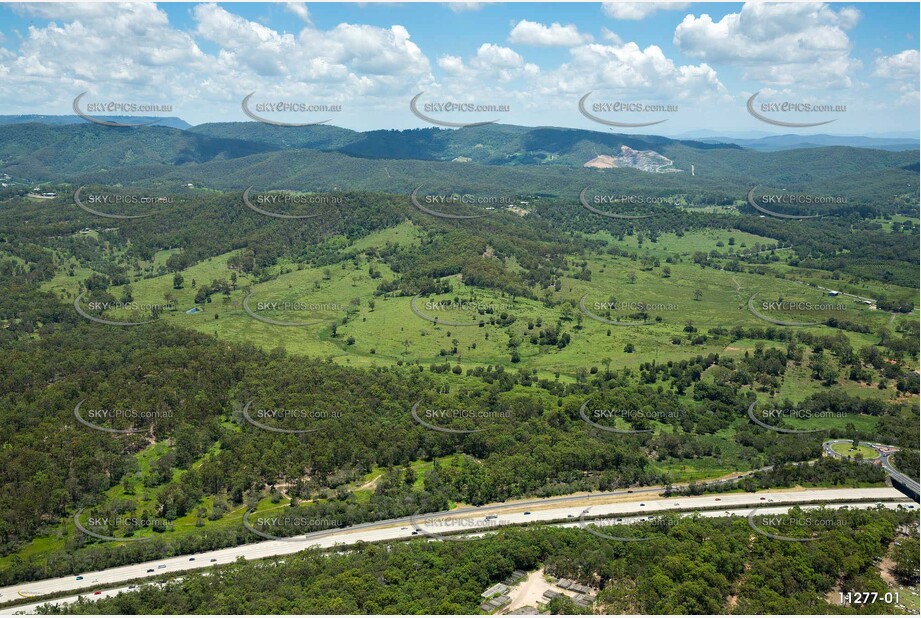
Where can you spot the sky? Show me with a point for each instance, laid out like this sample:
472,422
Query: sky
696,64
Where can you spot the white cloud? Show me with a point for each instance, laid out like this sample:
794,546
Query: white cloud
779,44
362,59
639,10
131,53
904,65
627,70
299,9
460,7
902,70
119,48
555,35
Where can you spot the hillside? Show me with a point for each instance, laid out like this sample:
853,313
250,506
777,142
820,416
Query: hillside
35,151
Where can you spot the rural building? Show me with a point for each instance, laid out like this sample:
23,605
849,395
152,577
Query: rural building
495,603
494,590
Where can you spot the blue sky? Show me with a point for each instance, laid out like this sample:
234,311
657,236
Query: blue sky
696,63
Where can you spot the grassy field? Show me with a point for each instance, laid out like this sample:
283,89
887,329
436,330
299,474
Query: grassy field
848,450
385,330
381,330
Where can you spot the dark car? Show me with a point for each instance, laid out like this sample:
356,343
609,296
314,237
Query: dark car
150,570
79,577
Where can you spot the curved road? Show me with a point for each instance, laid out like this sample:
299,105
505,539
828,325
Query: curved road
883,452
741,512
471,518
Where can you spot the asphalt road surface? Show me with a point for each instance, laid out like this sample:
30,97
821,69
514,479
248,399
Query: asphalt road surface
471,518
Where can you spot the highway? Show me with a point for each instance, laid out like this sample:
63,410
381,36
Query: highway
910,483
522,512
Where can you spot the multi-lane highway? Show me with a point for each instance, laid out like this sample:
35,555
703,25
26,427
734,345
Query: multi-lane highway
734,511
634,504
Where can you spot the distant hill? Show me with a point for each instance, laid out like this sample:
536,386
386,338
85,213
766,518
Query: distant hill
317,137
172,122
500,159
495,144
36,151
789,142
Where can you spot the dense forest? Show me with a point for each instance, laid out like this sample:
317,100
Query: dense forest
698,565
193,385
